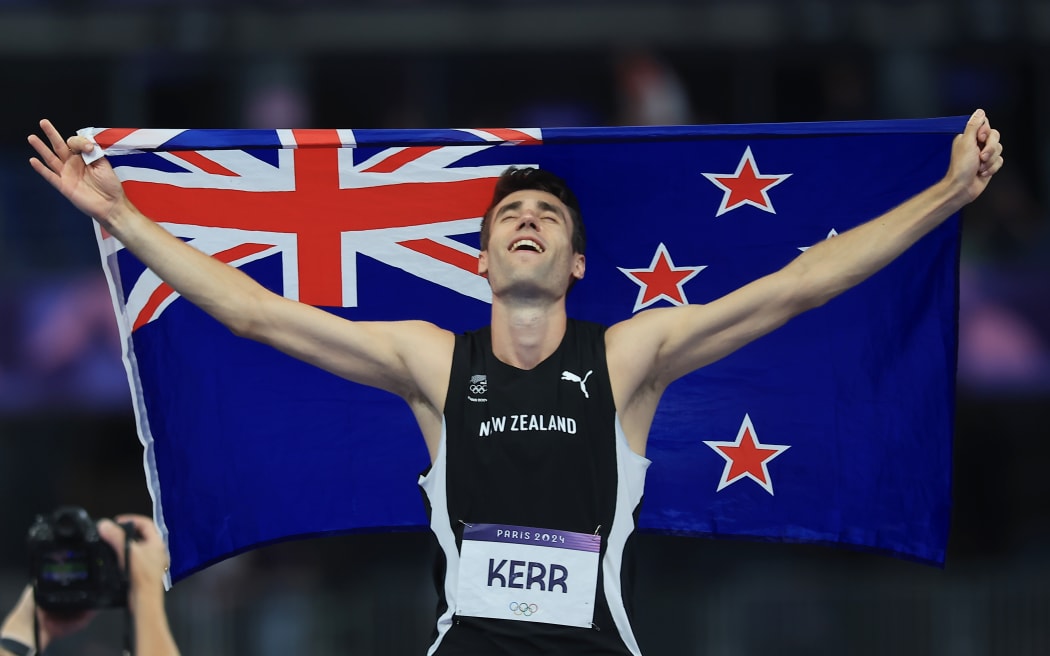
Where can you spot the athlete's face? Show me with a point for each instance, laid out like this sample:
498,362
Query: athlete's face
530,246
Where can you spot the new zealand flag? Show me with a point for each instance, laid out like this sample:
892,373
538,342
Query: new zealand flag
836,428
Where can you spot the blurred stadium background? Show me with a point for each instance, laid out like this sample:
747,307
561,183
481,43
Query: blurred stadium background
66,430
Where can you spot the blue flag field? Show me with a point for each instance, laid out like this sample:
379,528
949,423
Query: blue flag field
834,429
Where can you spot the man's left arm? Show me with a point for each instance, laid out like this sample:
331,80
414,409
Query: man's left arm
652,349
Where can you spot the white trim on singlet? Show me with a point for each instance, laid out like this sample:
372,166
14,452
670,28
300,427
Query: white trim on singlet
433,483
630,484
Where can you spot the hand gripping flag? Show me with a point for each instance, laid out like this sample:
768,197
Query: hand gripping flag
835,429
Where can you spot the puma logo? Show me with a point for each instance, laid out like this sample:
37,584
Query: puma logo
573,378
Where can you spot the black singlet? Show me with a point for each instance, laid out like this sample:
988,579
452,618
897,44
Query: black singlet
539,448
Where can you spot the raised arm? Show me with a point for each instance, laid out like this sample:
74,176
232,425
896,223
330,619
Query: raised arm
654,348
375,354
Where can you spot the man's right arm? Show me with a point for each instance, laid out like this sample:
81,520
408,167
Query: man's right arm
371,353
410,358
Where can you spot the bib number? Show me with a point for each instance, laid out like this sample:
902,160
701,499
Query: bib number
528,574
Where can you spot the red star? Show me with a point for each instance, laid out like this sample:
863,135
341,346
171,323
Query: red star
661,280
747,457
746,186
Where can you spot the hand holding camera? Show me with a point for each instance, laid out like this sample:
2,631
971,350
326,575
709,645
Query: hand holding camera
78,566
148,565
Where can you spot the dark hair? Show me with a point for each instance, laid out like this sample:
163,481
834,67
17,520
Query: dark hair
520,179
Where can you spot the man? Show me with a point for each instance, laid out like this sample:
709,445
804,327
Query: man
537,425
145,598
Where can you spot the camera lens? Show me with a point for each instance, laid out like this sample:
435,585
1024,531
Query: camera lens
66,526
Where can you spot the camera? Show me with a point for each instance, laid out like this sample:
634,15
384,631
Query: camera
71,566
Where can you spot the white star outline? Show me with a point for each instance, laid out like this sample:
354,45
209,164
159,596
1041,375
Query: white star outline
748,157
661,249
767,484
833,233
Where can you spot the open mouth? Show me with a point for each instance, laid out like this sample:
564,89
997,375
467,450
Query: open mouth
526,245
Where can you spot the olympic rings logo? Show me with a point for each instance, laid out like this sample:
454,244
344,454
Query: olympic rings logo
479,384
523,608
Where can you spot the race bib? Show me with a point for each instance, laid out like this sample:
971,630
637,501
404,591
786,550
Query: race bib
528,574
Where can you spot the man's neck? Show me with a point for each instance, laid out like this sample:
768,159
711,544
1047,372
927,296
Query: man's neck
525,335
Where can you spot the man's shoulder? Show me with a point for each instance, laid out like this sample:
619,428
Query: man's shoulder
632,340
